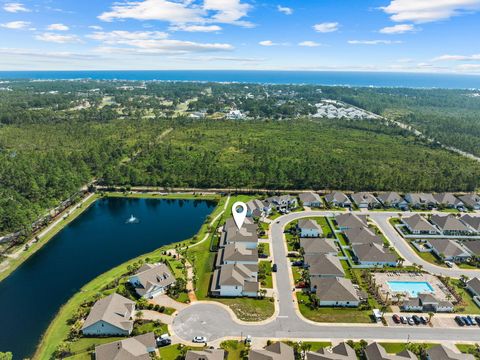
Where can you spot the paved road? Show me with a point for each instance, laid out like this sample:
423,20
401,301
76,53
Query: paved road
215,322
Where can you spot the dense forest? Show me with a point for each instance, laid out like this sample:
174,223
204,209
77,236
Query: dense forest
56,136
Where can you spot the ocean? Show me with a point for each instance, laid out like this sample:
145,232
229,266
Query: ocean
334,78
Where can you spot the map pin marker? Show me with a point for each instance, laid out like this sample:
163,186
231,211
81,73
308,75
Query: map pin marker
239,211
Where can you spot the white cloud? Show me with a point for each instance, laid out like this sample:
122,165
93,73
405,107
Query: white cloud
181,12
267,43
309,43
474,57
468,67
15,7
151,42
16,25
423,11
195,28
398,29
58,38
95,27
373,42
58,27
326,27
285,10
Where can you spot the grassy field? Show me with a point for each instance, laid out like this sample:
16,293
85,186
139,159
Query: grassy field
395,348
249,309
150,195
175,352
266,267
469,349
332,315
470,307
233,348
13,264
59,328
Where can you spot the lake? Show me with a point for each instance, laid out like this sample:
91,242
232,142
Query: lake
95,242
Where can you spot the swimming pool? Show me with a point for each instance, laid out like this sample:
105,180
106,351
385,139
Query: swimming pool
413,288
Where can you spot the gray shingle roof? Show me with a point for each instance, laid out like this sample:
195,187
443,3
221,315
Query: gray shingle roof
472,221
150,275
135,348
334,289
448,223
324,264
276,351
441,352
447,199
237,252
207,354
362,236
309,224
338,197
474,283
418,223
318,245
373,253
113,309
389,198
471,200
473,246
309,197
375,351
351,220
364,197
449,248
342,351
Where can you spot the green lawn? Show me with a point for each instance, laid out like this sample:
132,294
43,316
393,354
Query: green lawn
332,315
233,348
84,346
470,307
469,349
395,348
175,352
427,256
149,195
249,309
317,345
264,227
265,267
151,326
264,248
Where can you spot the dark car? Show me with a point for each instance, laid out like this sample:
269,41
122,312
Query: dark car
459,321
297,263
416,319
472,320
274,267
424,320
396,319
465,320
477,319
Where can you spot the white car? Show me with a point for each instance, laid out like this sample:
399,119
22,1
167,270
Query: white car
199,340
449,264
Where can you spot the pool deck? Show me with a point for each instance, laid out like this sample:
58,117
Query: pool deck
382,279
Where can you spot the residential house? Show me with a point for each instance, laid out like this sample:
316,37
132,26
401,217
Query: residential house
335,291
140,347
235,280
426,302
449,250
247,235
473,246
450,225
473,286
373,255
473,222
258,208
392,199
275,351
236,253
362,236
375,351
350,221
283,203
448,200
323,265
441,352
365,200
309,228
421,200
313,246
310,199
207,354
471,201
342,351
338,199
111,315
152,279
417,225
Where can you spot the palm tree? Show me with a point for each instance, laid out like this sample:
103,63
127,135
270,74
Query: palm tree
305,347
430,316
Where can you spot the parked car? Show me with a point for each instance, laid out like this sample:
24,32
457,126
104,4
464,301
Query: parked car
297,263
472,320
459,321
465,320
274,267
396,319
477,319
403,319
449,264
416,319
248,339
424,320
163,340
199,340
410,321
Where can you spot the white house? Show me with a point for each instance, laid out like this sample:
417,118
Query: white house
338,199
335,292
310,199
309,228
152,279
110,316
235,280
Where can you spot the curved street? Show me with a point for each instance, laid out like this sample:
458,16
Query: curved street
214,322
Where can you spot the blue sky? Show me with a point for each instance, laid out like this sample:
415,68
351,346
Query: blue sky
380,35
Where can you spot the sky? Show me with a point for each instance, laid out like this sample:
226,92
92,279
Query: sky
356,35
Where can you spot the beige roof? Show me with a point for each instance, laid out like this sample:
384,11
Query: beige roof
448,223
276,351
375,351
324,264
373,253
441,352
449,248
207,354
342,351
150,275
362,236
334,289
351,220
318,246
248,232
135,348
418,223
113,309
237,252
